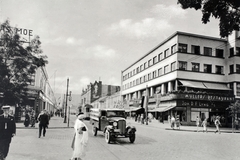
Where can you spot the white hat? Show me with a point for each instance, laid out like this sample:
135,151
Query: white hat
5,107
81,116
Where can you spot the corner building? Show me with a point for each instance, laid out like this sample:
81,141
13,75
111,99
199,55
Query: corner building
188,75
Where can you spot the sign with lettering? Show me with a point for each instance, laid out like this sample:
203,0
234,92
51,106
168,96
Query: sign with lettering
192,96
195,103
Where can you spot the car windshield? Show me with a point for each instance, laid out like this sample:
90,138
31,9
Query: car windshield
115,114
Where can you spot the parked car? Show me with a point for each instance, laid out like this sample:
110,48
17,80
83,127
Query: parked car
112,123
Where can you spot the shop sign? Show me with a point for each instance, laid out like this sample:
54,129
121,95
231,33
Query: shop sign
194,103
206,97
191,96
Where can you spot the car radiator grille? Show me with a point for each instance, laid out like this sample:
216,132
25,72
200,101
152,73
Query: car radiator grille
122,126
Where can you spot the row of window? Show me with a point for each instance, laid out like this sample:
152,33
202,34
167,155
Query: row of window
169,68
207,51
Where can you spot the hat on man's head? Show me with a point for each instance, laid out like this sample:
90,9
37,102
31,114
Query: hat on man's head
5,107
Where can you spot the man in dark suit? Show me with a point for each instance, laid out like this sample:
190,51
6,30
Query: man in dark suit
7,131
43,119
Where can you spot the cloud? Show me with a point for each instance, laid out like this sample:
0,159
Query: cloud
100,51
148,27
64,41
168,12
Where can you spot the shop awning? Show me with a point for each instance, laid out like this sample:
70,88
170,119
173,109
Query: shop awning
192,84
132,109
216,86
164,108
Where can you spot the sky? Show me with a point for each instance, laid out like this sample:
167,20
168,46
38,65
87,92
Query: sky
92,40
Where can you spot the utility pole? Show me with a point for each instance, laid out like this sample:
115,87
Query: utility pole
65,115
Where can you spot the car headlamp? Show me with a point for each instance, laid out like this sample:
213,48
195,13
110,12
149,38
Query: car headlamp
115,124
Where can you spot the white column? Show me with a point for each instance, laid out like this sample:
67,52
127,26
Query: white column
163,89
170,86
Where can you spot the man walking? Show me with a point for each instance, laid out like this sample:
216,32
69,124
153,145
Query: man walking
7,131
43,119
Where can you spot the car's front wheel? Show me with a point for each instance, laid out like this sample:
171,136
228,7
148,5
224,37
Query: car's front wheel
107,136
132,138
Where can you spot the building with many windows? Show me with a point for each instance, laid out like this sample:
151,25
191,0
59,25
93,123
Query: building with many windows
40,93
188,75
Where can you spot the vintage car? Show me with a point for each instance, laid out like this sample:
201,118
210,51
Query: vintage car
112,123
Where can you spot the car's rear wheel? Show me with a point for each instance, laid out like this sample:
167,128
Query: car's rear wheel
107,136
94,130
132,138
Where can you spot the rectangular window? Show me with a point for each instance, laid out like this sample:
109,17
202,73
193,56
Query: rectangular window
207,51
166,70
137,69
134,72
154,59
141,67
219,69
219,53
149,76
182,48
134,83
149,62
195,67
130,84
154,74
159,71
145,78
231,68
207,68
141,81
237,68
166,53
173,49
238,89
182,65
195,49
160,57
145,65
137,81
173,66
231,52
238,51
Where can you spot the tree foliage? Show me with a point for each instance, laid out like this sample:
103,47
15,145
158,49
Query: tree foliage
234,108
227,11
18,63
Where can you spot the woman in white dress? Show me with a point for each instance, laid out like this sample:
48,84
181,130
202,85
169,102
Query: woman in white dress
80,139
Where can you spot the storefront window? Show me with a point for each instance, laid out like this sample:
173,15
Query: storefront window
202,113
182,112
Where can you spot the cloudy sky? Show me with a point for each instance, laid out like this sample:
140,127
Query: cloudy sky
88,40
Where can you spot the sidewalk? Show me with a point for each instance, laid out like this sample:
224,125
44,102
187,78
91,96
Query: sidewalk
55,122
166,126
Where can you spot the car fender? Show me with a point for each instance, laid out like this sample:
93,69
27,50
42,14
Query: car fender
131,129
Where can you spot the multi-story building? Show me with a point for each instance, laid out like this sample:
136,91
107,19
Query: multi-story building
194,75
40,93
95,91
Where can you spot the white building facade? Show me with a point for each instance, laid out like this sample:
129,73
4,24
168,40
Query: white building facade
194,75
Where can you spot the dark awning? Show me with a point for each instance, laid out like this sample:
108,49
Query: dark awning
217,86
192,84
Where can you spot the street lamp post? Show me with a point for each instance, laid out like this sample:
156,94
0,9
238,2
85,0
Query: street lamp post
67,95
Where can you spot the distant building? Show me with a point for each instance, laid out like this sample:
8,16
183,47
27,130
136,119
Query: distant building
96,91
188,75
